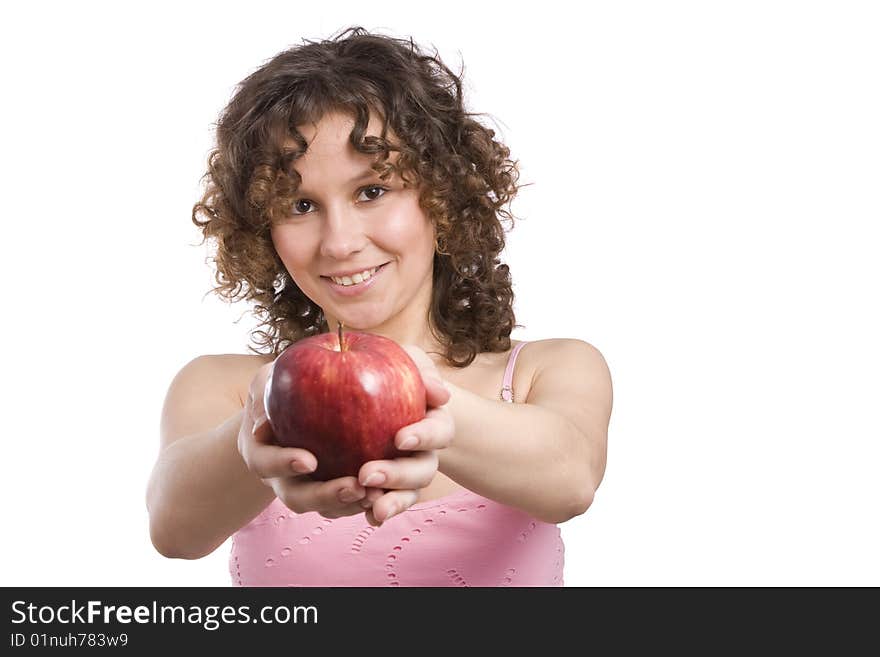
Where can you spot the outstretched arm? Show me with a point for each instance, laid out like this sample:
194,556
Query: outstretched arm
547,455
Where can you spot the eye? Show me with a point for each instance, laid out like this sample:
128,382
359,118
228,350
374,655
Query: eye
371,194
297,206
375,187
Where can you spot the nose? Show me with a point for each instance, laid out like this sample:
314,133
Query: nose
343,233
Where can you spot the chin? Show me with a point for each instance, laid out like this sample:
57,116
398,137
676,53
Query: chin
360,321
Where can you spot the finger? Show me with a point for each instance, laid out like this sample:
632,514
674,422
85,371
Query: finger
436,392
372,495
301,461
391,504
435,431
413,471
261,430
435,388
256,392
256,401
324,496
267,461
258,382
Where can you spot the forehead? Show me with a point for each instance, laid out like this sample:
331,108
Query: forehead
331,132
328,146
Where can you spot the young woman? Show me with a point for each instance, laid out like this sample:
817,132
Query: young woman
350,185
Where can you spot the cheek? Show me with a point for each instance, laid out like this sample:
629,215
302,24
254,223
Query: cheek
409,232
290,248
293,251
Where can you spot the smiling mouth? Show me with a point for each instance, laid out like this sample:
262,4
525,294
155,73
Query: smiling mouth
355,279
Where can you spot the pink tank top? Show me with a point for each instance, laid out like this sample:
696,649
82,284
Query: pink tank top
462,539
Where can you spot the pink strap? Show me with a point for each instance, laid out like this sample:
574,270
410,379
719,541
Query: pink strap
507,387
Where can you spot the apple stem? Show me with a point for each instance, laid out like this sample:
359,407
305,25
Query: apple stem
340,336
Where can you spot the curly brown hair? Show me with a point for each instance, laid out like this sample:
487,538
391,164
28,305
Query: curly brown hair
464,176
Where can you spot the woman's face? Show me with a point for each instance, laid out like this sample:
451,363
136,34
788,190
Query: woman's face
345,220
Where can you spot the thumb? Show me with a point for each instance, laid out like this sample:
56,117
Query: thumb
260,427
436,390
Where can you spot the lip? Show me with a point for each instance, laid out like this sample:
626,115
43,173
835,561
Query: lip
357,288
352,272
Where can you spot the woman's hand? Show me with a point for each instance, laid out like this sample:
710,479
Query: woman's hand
394,485
284,468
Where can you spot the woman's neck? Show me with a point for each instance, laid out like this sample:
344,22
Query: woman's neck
410,334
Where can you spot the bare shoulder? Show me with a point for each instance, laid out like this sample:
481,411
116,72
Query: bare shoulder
206,391
238,370
569,371
563,356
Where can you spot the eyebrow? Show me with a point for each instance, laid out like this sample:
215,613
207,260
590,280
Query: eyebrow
369,173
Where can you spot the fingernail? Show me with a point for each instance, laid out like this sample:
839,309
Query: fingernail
409,442
391,513
258,424
375,479
299,466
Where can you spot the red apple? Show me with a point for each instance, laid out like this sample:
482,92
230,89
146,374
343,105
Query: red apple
343,397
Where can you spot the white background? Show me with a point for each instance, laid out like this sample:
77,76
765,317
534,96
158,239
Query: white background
703,209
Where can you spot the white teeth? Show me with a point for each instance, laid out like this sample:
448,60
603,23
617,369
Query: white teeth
354,280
